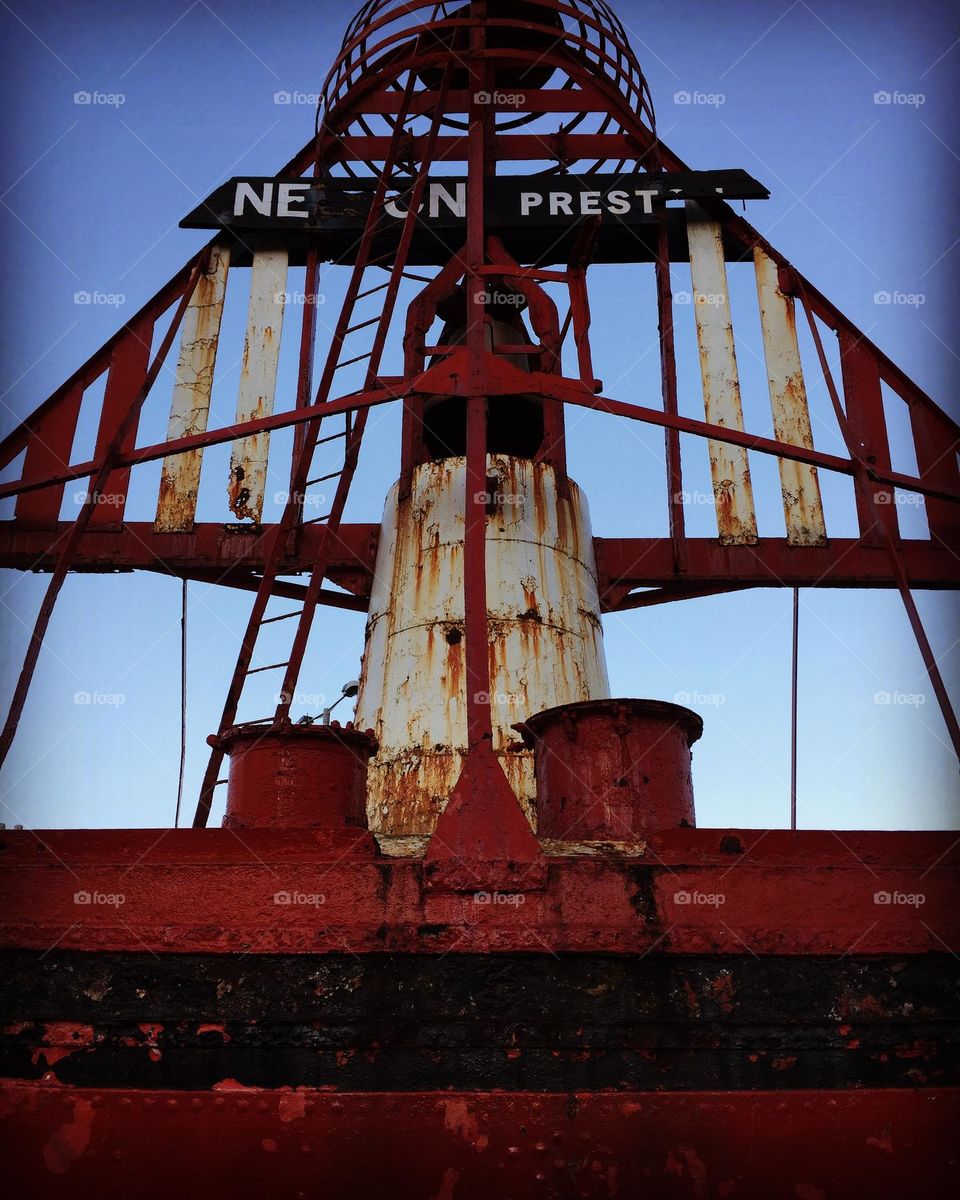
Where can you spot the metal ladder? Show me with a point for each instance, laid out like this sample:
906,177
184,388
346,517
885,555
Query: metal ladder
338,357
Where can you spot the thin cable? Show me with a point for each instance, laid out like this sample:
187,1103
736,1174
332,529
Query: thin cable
793,710
183,700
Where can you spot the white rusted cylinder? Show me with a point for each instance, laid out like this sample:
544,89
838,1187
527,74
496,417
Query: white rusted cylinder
546,640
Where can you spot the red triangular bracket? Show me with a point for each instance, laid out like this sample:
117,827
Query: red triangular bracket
482,839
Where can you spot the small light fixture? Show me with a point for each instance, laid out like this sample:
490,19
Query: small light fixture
347,692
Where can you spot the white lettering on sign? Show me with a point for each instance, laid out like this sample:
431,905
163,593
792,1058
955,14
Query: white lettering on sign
455,201
263,204
560,203
287,197
529,201
647,197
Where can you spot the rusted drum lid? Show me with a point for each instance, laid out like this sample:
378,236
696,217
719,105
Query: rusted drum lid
287,776
616,709
609,770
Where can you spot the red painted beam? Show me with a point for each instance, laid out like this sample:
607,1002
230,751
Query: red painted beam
621,562
691,892
805,1145
843,562
208,547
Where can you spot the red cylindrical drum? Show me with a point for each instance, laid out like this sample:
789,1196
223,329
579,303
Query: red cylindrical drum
297,776
612,769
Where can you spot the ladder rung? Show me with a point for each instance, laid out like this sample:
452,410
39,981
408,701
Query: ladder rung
272,667
317,520
362,325
373,291
323,478
333,436
282,617
351,361
220,782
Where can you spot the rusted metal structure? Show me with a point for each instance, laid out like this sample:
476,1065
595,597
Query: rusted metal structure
480,946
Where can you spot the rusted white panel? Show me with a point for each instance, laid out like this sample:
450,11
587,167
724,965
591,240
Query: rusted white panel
546,643
730,469
802,505
258,381
190,408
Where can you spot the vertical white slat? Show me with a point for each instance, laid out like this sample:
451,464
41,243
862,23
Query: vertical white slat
199,336
258,381
729,466
802,504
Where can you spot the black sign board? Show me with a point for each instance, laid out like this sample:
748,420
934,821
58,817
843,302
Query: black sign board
511,201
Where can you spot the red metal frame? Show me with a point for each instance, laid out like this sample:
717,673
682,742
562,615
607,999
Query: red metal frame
194,892
384,47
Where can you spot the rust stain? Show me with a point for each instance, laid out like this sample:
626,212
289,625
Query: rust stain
190,406
733,490
799,482
258,381
71,1139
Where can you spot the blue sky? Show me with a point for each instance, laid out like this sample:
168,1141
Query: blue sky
862,201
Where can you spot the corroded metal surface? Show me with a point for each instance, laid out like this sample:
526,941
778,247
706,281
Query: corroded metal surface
286,776
729,467
258,381
802,505
538,1020
884,893
190,408
612,768
545,641
469,1145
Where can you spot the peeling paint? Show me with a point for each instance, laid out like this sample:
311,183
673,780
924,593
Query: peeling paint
190,407
799,482
729,466
258,382
544,629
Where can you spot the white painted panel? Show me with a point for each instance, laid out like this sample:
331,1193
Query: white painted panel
258,381
729,466
802,505
199,336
